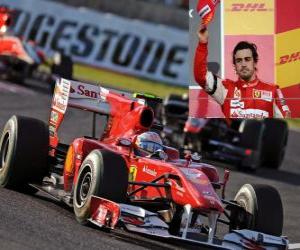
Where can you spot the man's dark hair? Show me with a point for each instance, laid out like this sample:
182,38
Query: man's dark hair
245,45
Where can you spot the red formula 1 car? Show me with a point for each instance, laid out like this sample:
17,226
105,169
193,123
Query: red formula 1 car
111,182
21,60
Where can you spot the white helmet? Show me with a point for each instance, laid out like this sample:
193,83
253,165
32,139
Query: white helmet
149,142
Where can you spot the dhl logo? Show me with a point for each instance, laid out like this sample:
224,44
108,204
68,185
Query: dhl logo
295,56
249,7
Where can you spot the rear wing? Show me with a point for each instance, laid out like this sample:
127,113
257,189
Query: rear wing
125,113
79,95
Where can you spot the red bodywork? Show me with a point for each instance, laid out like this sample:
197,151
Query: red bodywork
5,19
9,45
12,46
188,182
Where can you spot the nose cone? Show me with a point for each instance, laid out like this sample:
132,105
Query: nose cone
203,195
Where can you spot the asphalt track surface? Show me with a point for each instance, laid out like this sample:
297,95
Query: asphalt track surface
39,222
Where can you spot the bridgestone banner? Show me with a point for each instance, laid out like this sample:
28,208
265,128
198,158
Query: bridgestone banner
105,40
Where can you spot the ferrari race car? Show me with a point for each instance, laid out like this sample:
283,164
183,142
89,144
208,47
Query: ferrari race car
110,182
248,144
20,59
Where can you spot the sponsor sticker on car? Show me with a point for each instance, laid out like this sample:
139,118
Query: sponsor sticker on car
61,95
149,171
132,173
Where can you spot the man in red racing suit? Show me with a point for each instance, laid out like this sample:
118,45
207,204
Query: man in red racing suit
248,97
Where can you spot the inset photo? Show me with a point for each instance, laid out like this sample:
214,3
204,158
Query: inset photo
244,57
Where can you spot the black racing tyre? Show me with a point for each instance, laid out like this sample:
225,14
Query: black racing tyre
251,137
191,142
174,225
175,97
251,134
23,152
176,107
274,142
263,206
64,68
104,174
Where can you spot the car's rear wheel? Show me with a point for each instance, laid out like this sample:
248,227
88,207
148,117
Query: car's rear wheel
104,174
23,152
251,138
274,142
262,209
62,67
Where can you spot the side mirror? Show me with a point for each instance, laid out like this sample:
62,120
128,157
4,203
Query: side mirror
196,157
124,142
160,154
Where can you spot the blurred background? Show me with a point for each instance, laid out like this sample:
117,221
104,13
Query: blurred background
127,44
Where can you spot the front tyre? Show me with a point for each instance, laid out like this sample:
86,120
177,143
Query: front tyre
262,209
104,174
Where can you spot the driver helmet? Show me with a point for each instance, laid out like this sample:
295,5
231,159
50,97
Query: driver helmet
149,142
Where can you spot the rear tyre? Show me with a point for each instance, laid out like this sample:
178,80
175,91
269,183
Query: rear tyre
104,174
251,134
274,142
62,67
251,138
262,209
23,152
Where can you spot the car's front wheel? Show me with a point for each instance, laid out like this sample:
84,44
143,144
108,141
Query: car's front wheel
261,209
104,174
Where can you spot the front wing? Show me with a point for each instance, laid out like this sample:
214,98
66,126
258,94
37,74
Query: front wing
107,214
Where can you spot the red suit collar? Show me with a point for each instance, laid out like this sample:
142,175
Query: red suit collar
245,84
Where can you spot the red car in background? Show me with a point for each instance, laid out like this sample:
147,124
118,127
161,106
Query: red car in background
21,60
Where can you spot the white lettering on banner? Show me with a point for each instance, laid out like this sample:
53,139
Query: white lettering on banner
104,40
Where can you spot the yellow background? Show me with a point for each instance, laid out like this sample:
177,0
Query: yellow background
287,43
247,22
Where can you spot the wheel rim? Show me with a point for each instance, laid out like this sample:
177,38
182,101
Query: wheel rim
245,218
4,150
84,186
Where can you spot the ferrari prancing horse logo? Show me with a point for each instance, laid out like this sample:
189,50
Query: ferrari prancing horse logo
256,93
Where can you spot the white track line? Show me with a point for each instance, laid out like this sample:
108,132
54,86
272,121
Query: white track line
294,246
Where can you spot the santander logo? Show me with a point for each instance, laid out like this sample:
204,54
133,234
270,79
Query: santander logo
83,91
